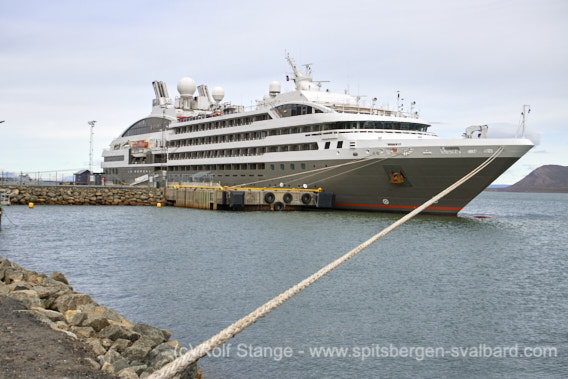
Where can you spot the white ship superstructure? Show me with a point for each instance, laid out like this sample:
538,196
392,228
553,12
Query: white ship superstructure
370,157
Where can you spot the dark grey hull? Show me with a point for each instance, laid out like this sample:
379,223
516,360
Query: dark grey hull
366,185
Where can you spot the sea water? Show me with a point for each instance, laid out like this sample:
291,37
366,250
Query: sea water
438,297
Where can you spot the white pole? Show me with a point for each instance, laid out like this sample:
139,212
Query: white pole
92,124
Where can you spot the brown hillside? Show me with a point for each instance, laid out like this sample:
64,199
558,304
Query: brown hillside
549,178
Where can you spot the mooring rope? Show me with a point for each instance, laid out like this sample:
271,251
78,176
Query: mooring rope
307,174
223,336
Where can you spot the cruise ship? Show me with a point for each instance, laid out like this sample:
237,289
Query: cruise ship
370,157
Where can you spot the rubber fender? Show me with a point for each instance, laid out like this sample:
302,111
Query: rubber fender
278,206
287,198
306,198
269,197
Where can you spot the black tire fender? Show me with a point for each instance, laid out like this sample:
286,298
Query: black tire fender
306,198
287,198
269,197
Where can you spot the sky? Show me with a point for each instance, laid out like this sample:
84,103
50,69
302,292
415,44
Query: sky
64,63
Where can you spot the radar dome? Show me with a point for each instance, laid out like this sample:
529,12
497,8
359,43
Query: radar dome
266,96
218,94
186,87
274,88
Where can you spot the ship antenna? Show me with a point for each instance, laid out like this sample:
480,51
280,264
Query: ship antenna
526,110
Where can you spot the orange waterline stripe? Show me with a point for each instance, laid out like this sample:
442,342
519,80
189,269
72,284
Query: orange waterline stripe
395,206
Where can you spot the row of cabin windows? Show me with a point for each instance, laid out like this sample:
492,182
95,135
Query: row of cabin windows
212,125
384,125
237,166
250,136
219,167
242,152
288,110
236,137
283,166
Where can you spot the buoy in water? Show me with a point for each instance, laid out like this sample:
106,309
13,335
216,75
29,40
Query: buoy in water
30,205
158,205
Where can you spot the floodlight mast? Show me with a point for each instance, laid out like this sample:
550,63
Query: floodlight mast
92,125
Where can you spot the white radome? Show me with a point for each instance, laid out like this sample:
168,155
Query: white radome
186,87
218,94
274,88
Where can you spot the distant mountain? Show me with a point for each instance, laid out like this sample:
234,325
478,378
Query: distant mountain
549,178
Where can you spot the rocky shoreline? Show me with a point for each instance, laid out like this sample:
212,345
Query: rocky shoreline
83,195
121,348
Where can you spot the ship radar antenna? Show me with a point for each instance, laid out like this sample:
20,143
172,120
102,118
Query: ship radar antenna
92,126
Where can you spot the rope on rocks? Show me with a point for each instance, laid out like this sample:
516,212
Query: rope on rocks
223,336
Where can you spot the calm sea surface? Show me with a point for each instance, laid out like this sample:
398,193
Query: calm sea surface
438,297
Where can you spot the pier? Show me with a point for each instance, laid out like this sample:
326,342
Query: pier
217,197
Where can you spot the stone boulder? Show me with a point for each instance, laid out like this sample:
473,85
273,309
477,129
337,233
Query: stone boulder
155,334
69,302
28,297
115,332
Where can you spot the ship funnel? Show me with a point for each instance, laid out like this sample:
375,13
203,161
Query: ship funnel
161,92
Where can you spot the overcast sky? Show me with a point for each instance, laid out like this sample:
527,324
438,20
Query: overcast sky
63,63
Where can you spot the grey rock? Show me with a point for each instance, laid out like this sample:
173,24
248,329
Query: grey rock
139,349
127,373
62,325
97,323
68,302
106,342
52,315
112,356
83,332
111,314
96,346
149,331
160,356
108,368
138,369
19,286
57,276
45,292
11,275
167,334
121,344
75,317
28,297
120,364
115,332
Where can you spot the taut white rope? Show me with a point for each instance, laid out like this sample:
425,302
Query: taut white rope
223,336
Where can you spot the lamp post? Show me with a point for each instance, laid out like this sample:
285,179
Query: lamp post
92,125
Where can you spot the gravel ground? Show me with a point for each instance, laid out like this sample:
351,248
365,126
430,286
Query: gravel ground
30,349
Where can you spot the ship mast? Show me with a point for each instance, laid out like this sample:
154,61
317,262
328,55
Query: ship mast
526,110
298,76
